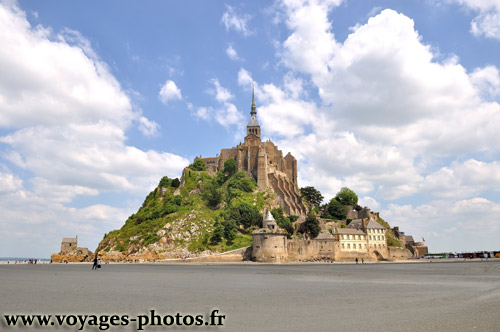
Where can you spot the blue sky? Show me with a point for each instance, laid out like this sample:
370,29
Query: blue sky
398,100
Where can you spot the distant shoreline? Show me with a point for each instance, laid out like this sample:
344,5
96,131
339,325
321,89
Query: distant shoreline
181,262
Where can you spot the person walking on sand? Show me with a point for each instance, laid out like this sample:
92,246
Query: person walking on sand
94,266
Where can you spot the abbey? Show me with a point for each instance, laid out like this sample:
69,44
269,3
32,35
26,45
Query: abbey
265,163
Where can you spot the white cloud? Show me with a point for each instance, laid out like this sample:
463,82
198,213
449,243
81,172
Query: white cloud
148,127
220,93
226,114
52,80
369,202
244,78
169,91
311,43
487,22
449,225
231,53
204,113
9,183
389,108
65,118
93,156
239,23
487,81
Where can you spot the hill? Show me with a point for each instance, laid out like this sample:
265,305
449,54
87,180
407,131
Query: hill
197,215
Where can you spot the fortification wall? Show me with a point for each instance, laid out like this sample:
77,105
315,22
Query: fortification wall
269,247
398,253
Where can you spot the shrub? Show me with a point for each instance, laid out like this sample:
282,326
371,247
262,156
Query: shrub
212,194
230,167
198,165
176,183
336,209
217,233
245,214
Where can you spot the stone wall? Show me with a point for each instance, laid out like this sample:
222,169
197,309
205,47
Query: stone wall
398,253
269,247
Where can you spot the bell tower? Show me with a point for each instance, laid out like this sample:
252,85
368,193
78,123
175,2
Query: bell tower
253,126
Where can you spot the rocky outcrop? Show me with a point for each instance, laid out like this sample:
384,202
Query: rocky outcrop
77,255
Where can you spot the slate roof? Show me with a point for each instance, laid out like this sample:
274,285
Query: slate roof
374,225
350,231
253,122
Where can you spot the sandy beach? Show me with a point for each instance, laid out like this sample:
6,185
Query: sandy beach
464,296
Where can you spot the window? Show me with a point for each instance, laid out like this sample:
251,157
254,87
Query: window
348,246
354,246
343,246
365,246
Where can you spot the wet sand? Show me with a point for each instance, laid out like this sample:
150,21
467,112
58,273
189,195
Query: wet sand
461,296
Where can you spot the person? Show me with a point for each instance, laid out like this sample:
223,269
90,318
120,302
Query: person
98,263
362,261
356,260
94,266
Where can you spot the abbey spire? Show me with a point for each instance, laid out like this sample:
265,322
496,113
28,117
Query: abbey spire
253,126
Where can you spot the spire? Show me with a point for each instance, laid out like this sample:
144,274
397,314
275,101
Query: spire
253,112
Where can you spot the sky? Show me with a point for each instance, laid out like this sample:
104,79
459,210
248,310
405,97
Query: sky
397,100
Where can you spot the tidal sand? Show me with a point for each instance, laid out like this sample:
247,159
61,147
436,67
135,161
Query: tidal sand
265,298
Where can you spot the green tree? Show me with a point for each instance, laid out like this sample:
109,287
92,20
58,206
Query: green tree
230,167
239,182
165,182
245,214
312,195
347,197
198,165
336,209
176,183
229,230
217,233
310,226
212,194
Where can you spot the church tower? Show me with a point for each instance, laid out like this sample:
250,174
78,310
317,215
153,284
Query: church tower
253,126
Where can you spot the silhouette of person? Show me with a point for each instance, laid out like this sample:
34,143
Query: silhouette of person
94,267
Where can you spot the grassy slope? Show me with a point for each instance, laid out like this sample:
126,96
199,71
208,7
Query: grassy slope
184,211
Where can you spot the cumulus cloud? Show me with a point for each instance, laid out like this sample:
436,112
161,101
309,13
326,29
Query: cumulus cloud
64,118
53,79
169,91
238,22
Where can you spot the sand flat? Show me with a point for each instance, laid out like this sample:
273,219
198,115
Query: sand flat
254,297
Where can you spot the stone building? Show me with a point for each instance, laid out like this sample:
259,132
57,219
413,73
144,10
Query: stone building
69,244
364,239
418,249
264,162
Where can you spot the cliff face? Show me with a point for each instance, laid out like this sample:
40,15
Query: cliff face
200,215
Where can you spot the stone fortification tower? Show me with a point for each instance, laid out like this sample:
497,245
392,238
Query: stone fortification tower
269,242
264,162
